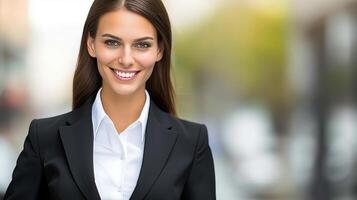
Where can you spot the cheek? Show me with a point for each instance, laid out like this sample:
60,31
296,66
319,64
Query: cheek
146,60
148,72
106,57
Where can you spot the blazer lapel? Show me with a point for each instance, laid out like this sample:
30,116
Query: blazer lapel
77,139
159,141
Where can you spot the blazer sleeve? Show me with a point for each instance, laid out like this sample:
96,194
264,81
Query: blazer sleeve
27,178
201,180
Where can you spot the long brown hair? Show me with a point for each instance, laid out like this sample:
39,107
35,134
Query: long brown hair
87,79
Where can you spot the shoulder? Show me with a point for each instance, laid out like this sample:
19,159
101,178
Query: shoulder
189,130
42,132
53,121
186,130
187,125
48,126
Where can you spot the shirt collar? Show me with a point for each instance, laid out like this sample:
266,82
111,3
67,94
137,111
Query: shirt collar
98,114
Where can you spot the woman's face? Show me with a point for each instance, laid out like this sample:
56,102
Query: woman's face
126,48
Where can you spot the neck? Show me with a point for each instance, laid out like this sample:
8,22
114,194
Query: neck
122,109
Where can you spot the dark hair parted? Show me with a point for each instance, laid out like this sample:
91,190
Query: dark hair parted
87,79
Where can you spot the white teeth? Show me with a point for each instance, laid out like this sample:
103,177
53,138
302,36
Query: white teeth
125,74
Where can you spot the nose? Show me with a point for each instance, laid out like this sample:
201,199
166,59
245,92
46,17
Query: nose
126,59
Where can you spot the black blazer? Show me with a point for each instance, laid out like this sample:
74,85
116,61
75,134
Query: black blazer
57,160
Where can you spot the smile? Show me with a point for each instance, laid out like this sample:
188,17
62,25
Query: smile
124,75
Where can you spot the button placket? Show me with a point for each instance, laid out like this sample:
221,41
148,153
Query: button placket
122,139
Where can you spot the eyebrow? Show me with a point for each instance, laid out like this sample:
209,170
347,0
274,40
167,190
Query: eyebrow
118,38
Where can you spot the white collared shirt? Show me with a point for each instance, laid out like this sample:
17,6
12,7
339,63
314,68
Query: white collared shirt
117,158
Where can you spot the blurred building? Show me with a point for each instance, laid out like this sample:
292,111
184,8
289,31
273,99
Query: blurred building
14,33
324,47
13,45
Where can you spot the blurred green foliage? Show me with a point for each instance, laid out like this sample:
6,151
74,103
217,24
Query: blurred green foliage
242,47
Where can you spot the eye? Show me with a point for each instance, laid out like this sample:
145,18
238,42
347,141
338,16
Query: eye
142,45
112,43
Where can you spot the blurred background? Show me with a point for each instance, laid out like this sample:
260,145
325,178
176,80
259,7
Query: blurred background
273,80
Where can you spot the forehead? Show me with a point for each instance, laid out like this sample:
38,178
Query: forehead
124,23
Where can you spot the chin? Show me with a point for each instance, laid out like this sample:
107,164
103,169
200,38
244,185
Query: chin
125,90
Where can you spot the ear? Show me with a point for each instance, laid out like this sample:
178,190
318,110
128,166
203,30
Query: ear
160,52
91,46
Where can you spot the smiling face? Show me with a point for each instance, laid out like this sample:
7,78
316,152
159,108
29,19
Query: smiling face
126,48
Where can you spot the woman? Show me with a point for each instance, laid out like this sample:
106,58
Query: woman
122,139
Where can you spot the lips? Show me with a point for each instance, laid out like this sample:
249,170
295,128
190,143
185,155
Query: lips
124,75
